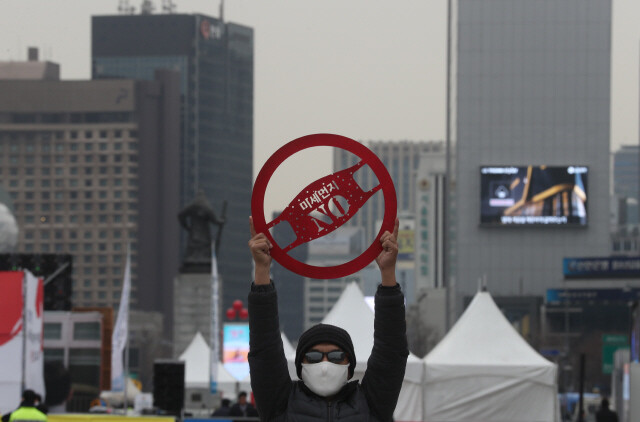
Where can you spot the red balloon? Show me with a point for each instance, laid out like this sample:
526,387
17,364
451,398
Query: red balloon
231,313
237,305
244,313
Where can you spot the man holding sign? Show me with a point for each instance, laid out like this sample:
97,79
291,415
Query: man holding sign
325,357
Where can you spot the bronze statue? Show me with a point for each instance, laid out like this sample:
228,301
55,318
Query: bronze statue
196,219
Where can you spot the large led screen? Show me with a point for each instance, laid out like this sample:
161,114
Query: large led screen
235,349
533,195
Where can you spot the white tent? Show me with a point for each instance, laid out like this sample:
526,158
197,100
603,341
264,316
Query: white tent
196,372
288,348
484,370
197,364
353,314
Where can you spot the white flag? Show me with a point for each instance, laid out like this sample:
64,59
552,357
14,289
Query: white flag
34,319
121,331
215,329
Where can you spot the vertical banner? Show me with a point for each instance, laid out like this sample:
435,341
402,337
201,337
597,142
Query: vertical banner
11,347
34,319
121,331
215,325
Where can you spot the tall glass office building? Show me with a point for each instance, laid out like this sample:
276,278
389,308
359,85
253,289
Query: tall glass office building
215,61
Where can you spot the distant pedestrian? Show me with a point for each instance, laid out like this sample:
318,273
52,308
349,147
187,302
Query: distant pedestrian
242,407
27,410
40,404
224,409
604,414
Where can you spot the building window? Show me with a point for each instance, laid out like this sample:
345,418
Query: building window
52,331
86,331
53,355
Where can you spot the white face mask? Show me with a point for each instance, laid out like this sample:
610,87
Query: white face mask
324,378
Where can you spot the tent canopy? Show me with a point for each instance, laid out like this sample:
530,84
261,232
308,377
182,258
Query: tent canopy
484,370
197,360
198,363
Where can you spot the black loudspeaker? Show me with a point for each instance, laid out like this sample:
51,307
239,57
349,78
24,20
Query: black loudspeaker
168,385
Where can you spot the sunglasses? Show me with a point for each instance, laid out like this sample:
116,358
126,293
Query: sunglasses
335,356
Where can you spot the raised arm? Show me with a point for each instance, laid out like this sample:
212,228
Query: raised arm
270,379
386,365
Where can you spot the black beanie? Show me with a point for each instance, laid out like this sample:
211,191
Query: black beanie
325,333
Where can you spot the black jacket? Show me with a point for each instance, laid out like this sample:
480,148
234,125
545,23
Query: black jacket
606,415
250,411
278,398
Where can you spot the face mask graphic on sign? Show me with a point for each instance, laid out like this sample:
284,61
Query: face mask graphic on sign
324,205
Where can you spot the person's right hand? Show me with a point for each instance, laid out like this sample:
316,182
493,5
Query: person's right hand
260,247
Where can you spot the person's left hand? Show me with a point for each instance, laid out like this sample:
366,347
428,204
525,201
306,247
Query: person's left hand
386,260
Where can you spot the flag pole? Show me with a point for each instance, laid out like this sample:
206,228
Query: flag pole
215,329
126,345
120,336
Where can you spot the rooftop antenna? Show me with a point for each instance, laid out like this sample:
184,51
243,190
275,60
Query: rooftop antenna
221,10
147,7
168,6
125,8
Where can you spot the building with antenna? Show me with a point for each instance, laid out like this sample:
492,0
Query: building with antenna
215,61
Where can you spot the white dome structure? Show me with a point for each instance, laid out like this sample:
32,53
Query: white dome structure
8,230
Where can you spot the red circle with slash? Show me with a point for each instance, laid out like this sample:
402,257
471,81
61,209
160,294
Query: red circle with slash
330,140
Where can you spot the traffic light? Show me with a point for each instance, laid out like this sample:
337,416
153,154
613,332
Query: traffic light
54,269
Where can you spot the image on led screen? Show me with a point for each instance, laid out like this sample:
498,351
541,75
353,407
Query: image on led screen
533,195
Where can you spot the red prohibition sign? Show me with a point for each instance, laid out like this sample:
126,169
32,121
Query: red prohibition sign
345,202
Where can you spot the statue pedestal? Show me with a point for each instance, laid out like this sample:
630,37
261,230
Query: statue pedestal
192,308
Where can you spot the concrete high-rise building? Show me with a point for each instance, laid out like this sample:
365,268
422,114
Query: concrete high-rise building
215,61
401,160
430,209
89,167
32,69
333,249
291,286
532,89
626,183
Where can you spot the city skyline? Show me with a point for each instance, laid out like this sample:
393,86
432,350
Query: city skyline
365,70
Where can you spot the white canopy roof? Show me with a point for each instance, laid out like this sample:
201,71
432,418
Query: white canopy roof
197,365
483,357
197,360
288,348
352,313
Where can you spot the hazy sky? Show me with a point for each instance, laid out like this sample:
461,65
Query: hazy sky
366,69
